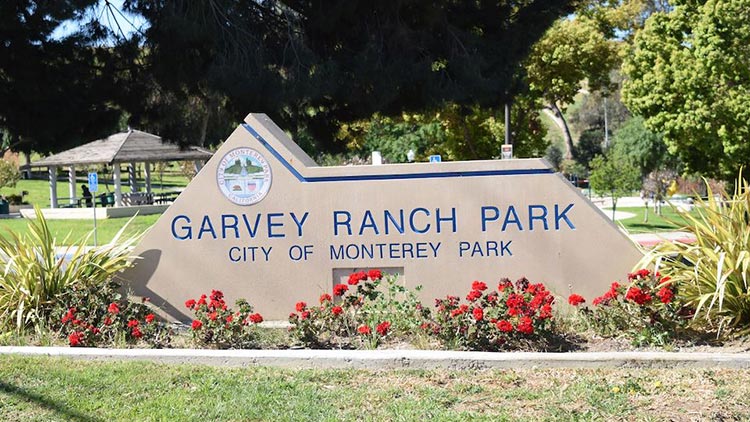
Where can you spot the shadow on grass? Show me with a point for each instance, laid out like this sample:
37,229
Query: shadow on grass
649,227
60,410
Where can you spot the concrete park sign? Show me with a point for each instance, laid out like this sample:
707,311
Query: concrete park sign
262,221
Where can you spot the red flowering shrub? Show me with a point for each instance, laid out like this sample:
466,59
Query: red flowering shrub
217,325
100,316
494,320
644,309
359,311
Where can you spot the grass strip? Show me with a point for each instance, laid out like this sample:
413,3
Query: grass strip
44,388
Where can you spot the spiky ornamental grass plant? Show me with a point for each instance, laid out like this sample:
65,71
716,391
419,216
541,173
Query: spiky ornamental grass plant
712,274
35,271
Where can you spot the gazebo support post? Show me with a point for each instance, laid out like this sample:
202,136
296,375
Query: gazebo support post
147,174
52,186
72,185
118,184
132,180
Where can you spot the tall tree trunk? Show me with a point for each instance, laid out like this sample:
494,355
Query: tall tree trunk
554,112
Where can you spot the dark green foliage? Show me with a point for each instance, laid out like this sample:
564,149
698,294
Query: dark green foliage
311,65
642,147
589,146
54,92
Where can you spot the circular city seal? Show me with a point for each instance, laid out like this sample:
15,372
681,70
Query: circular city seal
244,176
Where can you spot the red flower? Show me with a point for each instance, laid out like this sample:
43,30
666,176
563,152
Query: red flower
300,306
212,316
201,300
575,299
75,338
132,323
216,295
515,300
293,317
375,274
473,295
383,328
478,314
190,304
479,285
364,329
337,310
229,318
637,295
256,318
525,326
136,332
113,308
325,297
304,315
504,326
546,312
107,321
197,324
355,278
149,318
665,295
340,289
504,284
70,315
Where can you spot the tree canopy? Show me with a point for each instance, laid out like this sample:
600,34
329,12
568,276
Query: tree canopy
688,76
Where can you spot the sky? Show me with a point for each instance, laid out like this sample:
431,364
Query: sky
113,17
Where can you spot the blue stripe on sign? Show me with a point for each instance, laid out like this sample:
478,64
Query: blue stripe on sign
398,176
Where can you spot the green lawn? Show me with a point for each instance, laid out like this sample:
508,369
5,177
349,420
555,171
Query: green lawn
668,221
78,229
43,388
38,190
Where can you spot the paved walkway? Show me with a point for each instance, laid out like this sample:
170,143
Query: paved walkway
397,359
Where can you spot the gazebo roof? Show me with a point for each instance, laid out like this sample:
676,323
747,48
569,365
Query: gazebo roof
124,147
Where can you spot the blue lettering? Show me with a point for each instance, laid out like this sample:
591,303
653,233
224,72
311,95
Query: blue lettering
347,222
542,217
368,223
559,215
515,220
231,257
411,220
225,226
505,247
299,223
206,227
408,248
271,224
398,225
452,219
462,247
435,248
187,231
337,254
486,218
251,231
491,246
421,250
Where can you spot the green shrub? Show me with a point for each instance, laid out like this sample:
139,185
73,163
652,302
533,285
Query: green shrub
644,310
219,326
35,271
360,313
99,315
9,174
713,273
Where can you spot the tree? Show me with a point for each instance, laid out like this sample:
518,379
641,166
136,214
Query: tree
615,176
571,52
312,65
688,77
642,147
55,92
589,146
8,174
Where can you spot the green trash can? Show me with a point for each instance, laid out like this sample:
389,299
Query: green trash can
4,206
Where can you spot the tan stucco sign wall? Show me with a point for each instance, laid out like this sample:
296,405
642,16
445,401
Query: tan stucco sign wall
263,222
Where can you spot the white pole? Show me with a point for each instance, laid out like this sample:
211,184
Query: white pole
147,173
72,185
116,180
52,186
132,178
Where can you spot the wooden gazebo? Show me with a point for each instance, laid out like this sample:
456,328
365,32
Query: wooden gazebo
129,148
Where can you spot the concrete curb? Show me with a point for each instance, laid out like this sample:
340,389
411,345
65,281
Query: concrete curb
397,359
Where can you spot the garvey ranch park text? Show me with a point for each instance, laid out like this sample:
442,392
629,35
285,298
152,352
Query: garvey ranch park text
263,228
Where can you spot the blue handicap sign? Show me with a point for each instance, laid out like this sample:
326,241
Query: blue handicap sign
435,158
93,182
